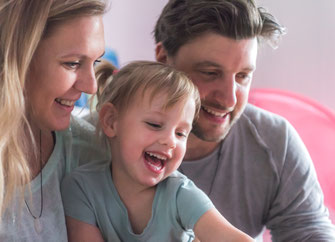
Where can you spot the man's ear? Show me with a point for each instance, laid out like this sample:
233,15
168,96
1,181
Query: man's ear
108,119
161,55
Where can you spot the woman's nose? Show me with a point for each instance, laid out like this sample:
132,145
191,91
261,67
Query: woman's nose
86,81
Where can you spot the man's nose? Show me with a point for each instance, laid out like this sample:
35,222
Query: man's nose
225,92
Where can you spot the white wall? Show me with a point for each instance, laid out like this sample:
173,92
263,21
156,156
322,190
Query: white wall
305,59
303,63
128,27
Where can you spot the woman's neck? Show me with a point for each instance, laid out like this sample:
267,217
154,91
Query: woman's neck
39,154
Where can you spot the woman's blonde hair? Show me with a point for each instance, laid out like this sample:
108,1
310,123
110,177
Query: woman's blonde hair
120,87
23,24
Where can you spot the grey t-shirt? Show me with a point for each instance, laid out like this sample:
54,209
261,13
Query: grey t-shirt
262,175
78,143
90,196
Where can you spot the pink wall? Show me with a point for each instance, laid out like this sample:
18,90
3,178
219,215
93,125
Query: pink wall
303,63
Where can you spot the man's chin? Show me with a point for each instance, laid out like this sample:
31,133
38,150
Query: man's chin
208,136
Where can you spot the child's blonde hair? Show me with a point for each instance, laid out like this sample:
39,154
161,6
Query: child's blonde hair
119,87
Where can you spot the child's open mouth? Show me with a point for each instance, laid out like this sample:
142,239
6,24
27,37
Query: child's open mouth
155,162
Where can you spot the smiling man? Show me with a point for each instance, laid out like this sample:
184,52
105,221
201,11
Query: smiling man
251,163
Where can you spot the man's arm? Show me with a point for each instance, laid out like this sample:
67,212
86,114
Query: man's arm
298,212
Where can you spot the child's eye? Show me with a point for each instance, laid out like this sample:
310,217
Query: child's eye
154,125
182,134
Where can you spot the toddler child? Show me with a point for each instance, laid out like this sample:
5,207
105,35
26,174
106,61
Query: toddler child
146,111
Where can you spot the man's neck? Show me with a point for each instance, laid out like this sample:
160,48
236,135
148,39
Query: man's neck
198,148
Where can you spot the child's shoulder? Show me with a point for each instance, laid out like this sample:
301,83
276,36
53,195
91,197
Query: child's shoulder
176,176
176,181
90,179
90,171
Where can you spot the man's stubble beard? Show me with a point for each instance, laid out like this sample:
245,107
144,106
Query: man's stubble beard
202,134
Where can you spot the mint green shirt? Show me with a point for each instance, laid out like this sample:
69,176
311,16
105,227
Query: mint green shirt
89,195
77,143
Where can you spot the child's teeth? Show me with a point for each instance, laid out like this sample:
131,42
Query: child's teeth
157,156
156,166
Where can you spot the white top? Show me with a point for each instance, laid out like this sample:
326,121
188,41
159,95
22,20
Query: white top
77,143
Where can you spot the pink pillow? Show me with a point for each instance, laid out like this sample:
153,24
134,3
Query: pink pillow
316,127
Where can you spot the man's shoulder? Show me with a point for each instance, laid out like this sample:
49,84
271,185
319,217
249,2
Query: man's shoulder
268,130
263,123
261,117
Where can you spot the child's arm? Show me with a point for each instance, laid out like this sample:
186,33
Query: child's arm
212,226
83,232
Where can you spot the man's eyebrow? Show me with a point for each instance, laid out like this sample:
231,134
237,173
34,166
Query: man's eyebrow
207,64
216,65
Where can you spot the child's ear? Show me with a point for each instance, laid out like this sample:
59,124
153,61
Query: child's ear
108,119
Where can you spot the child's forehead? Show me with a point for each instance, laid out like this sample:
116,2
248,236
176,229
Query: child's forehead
154,98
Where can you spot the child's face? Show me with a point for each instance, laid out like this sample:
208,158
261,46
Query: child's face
150,142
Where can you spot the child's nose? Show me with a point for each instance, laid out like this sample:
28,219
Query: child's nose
168,139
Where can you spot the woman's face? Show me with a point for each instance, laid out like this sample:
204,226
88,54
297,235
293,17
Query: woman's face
62,69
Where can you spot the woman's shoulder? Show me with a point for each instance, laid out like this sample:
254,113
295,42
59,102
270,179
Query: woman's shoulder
81,127
82,144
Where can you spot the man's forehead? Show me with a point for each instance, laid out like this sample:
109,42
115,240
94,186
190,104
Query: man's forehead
247,67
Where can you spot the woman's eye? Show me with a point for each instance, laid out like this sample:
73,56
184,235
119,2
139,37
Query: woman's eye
97,62
72,65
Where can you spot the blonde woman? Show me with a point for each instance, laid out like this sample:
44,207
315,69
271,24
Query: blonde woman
48,49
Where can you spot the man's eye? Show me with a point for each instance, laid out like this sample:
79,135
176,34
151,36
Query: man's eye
243,78
154,125
209,73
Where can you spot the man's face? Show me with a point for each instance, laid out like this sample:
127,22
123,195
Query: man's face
222,69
